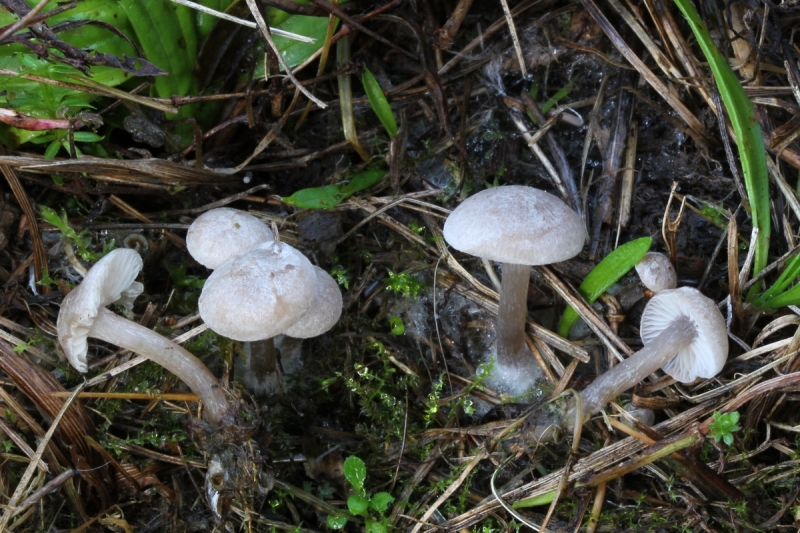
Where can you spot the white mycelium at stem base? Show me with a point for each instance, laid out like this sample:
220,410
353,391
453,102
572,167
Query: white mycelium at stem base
83,315
519,227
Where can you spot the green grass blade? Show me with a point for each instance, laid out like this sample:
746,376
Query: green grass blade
748,136
604,275
379,102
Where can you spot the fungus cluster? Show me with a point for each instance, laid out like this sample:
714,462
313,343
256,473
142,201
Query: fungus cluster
260,287
519,227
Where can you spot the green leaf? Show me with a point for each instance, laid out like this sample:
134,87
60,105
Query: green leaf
330,196
336,522
380,502
87,137
52,149
356,472
778,295
748,136
604,275
375,527
396,324
357,504
535,501
379,102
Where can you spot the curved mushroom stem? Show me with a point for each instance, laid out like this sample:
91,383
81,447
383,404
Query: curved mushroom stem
546,424
121,332
635,368
511,316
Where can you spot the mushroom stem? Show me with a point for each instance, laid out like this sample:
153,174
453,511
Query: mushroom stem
511,316
131,336
678,335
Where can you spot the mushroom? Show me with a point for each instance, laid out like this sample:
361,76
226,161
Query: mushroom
656,272
220,234
255,296
683,333
259,293
83,314
518,226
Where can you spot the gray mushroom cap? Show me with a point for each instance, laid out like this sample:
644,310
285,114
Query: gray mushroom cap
324,312
656,272
259,293
516,224
220,234
110,280
706,355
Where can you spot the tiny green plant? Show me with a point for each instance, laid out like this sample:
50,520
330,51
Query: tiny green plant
81,241
405,284
371,508
724,426
379,102
330,196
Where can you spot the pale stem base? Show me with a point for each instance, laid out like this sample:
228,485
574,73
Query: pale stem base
131,336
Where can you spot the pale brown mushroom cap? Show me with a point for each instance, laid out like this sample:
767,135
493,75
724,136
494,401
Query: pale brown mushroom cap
707,354
259,293
516,224
324,312
110,280
220,234
656,272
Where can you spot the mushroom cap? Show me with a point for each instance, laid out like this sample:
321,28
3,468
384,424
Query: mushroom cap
324,312
220,234
110,280
516,224
706,355
259,293
656,272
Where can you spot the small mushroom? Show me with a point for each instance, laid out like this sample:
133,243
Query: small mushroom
518,226
83,314
683,333
220,234
259,293
656,272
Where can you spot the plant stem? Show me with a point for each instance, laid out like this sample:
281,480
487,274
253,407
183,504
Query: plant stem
511,316
121,332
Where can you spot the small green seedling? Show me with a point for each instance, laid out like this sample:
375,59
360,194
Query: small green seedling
396,323
379,102
724,426
405,284
81,241
330,196
371,509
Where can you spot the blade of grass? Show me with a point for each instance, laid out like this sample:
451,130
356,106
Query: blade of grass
379,102
604,275
748,136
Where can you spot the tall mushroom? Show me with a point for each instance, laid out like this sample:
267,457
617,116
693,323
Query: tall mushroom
519,227
83,314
